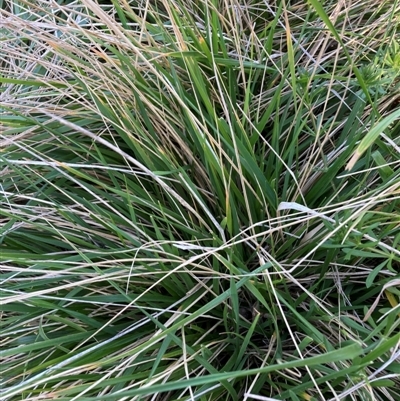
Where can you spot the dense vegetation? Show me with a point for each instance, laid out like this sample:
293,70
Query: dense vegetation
200,200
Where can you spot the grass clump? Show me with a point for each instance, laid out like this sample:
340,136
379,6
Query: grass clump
200,200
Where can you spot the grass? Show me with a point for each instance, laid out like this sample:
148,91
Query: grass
200,200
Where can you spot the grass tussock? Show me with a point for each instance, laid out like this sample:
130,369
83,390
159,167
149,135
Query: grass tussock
200,200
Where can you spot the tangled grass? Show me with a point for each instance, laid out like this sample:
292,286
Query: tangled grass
200,200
